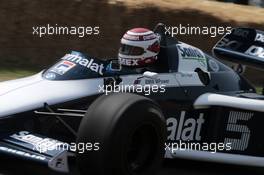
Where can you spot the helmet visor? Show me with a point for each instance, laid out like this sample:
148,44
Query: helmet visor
130,50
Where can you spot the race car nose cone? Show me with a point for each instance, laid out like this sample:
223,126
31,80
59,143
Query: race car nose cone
9,86
33,92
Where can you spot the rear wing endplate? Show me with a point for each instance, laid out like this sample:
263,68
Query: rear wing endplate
243,46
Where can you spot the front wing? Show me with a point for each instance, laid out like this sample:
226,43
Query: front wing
24,146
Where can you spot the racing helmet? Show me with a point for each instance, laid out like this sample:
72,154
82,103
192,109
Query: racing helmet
139,47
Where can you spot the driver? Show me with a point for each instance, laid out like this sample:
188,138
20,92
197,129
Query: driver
139,49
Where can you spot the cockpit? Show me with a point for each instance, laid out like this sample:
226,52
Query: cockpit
74,66
174,56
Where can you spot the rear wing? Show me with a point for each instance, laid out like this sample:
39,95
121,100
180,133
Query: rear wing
243,46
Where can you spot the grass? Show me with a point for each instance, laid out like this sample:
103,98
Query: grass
259,90
14,74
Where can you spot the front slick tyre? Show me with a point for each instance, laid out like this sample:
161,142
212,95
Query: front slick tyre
131,132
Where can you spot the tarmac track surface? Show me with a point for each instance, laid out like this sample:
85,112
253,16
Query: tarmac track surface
170,167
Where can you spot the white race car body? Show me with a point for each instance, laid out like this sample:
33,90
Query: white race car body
204,102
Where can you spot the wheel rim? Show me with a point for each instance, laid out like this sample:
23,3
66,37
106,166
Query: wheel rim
142,148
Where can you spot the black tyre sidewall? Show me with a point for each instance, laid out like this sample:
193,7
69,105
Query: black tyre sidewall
111,121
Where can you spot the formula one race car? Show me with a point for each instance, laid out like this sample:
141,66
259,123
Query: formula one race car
188,105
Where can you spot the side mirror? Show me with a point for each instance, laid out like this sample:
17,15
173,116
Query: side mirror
204,76
152,75
115,65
